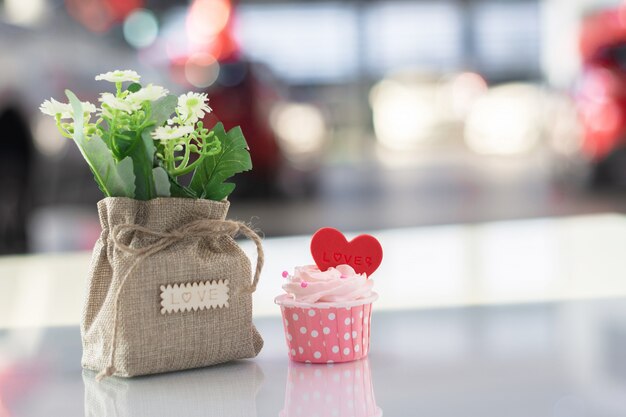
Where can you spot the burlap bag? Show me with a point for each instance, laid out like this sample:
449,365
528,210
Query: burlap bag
145,245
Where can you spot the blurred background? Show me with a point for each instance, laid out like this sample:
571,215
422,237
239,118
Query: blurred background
361,114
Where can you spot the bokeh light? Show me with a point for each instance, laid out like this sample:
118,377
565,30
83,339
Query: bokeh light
206,19
202,70
402,114
22,12
100,15
507,120
46,138
300,127
564,130
141,28
232,73
465,89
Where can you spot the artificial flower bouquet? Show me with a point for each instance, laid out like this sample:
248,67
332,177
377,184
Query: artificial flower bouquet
144,139
168,286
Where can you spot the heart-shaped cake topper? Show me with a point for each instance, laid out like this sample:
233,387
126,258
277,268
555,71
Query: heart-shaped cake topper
330,247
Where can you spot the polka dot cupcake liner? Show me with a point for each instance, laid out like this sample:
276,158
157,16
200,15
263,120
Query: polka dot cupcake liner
326,333
343,389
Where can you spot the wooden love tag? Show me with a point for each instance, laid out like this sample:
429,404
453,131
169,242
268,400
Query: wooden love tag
194,296
330,247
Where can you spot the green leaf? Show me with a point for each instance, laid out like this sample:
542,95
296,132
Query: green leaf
134,87
124,142
161,182
142,150
142,154
115,179
178,190
209,178
220,191
163,108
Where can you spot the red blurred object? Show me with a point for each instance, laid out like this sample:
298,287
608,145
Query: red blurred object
247,97
209,29
242,93
100,15
247,104
601,96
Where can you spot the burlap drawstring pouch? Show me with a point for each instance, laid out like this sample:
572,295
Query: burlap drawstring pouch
168,289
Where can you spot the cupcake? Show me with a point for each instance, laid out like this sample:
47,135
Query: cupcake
327,312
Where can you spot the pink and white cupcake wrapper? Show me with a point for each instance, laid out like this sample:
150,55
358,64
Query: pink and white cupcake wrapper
343,389
328,334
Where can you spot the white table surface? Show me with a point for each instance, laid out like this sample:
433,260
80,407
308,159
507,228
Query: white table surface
523,318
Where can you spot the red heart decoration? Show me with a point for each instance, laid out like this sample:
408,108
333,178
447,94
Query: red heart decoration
330,247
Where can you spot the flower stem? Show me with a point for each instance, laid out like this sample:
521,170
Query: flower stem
63,131
188,168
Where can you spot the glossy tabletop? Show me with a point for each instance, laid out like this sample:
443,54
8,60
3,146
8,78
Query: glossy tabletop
522,318
555,359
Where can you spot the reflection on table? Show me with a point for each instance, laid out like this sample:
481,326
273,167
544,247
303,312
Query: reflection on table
227,391
330,390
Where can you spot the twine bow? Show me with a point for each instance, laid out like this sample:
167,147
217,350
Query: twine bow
197,228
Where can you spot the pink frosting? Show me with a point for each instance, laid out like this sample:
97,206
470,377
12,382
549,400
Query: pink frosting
310,285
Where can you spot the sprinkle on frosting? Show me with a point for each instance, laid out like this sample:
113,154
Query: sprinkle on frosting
310,285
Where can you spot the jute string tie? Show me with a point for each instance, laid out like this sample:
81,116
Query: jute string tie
194,229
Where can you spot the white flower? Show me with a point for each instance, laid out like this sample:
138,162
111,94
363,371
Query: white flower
171,132
119,76
52,108
88,107
148,93
117,103
193,106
